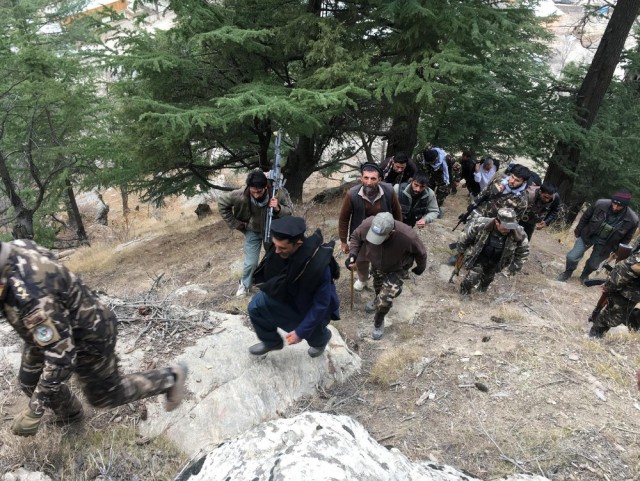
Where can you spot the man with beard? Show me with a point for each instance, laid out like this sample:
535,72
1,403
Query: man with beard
605,225
297,290
508,191
361,201
246,210
543,205
489,245
418,202
397,169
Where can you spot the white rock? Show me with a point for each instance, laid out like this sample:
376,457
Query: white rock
315,447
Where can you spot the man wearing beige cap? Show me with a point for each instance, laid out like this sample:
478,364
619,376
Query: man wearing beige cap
392,248
489,245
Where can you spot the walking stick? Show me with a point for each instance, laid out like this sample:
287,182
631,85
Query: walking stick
351,288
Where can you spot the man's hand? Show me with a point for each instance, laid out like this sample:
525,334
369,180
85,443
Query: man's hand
26,423
418,270
541,225
421,224
242,226
273,203
292,338
344,247
350,262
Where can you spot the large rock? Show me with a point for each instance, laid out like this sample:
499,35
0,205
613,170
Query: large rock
315,447
231,391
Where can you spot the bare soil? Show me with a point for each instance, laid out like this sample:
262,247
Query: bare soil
505,383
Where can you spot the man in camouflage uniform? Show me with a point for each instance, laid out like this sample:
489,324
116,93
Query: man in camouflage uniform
489,245
508,191
623,293
392,248
66,330
455,172
543,205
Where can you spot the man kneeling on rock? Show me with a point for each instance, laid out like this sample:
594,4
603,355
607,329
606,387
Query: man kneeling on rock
66,329
489,245
297,290
391,247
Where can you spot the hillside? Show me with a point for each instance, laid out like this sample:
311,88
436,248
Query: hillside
505,383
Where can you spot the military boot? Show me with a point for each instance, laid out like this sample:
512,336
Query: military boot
378,326
564,276
584,276
598,332
70,413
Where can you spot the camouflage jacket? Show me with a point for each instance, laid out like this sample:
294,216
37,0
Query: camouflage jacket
475,236
51,310
624,279
491,199
236,207
537,210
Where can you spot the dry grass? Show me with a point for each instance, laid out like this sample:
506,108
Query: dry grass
83,453
391,365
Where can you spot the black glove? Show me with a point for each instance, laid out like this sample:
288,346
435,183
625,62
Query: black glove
348,261
418,270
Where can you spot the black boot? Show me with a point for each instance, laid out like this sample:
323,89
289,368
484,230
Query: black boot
564,276
598,332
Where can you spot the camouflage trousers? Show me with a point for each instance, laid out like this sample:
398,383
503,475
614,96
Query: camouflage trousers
387,286
99,375
619,310
481,275
441,191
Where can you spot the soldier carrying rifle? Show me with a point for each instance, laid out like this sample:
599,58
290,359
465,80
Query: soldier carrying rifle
620,294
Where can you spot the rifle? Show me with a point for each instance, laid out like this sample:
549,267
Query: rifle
464,217
623,251
277,182
457,267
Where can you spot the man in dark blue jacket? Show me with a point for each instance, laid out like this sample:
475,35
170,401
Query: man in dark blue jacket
297,290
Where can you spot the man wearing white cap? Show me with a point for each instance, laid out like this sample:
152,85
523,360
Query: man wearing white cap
392,248
488,246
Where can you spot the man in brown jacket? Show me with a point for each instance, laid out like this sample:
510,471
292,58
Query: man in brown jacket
392,248
362,201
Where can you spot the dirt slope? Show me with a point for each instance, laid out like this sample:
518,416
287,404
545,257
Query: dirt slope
507,382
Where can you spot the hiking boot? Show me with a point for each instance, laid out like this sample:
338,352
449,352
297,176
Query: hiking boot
370,306
176,392
359,285
262,348
378,327
584,279
597,332
242,291
564,276
71,413
315,351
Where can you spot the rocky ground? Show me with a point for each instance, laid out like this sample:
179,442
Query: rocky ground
508,382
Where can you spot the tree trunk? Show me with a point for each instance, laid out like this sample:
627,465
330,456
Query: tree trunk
301,163
565,161
403,134
75,218
23,228
124,195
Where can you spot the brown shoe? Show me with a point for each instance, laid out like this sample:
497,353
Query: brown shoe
176,392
